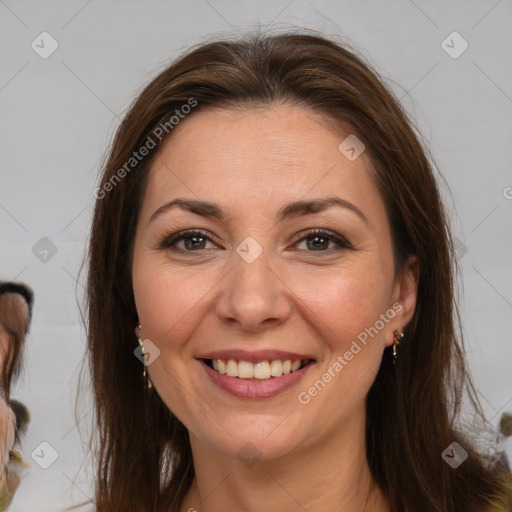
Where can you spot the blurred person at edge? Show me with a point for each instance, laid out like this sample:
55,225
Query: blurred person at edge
16,300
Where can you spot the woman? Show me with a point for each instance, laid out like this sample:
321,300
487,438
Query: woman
269,240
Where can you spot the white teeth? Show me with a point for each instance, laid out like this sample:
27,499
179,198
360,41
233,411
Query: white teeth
262,370
245,370
232,368
276,368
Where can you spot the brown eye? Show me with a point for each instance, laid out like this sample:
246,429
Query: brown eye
318,242
186,241
194,242
324,241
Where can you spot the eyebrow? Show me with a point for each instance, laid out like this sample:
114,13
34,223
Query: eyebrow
293,209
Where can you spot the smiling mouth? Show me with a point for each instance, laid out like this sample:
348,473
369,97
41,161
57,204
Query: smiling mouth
262,370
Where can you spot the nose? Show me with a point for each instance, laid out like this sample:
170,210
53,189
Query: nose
253,296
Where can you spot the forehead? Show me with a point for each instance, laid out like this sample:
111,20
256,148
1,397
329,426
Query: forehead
261,155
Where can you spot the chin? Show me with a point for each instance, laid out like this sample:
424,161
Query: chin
264,440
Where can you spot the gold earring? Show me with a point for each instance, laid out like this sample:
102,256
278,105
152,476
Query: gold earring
397,337
147,380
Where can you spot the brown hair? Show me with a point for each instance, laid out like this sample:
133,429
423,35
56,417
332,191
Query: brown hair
144,456
15,320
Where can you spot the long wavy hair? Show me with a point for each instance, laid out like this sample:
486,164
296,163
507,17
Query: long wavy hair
144,459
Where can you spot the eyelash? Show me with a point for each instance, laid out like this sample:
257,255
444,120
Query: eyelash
169,242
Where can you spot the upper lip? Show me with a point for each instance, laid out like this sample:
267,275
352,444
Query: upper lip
254,356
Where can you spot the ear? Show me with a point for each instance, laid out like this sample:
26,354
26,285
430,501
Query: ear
137,330
405,294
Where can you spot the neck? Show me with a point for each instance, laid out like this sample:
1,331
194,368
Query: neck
332,474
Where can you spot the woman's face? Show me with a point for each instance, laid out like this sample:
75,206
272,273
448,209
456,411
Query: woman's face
257,289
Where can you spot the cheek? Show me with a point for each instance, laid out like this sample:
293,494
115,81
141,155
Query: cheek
347,313
345,302
168,300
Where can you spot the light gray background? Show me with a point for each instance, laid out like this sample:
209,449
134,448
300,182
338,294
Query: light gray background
59,113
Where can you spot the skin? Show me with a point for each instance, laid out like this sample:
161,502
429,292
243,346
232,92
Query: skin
293,297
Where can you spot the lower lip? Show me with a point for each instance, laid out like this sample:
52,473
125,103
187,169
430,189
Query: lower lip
255,388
